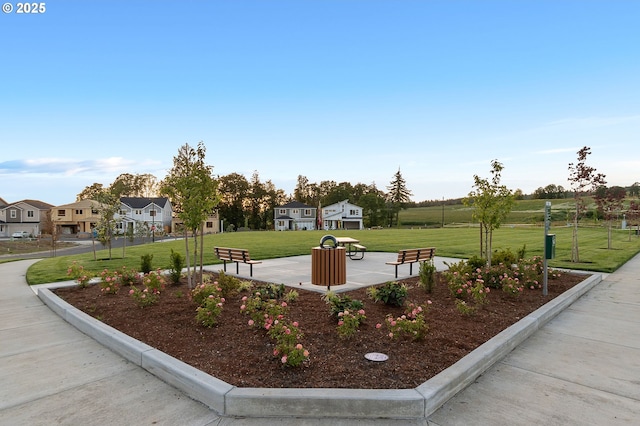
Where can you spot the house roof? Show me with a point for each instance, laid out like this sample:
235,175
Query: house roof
296,205
40,205
142,202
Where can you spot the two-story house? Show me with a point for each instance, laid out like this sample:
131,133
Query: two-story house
22,216
295,216
153,214
342,215
74,218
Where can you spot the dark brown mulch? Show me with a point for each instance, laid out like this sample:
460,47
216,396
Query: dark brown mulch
242,356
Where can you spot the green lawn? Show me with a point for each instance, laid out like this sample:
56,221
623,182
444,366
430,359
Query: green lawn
460,242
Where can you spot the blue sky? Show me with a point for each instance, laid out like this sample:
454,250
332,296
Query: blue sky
346,90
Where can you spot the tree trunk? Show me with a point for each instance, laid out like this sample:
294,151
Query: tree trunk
201,249
187,257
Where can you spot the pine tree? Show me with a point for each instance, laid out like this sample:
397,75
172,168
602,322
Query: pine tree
398,197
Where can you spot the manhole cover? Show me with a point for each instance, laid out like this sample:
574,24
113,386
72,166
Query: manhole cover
376,356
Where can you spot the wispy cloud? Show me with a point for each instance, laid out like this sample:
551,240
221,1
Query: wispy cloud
590,122
73,167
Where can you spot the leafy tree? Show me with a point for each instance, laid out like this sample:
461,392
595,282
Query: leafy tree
583,180
634,190
610,202
107,206
91,192
138,185
234,192
492,203
398,196
193,192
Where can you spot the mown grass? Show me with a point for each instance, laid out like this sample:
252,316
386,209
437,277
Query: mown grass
459,242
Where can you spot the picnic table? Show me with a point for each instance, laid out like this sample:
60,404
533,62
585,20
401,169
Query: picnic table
353,247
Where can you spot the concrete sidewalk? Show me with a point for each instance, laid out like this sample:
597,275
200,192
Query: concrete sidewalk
581,368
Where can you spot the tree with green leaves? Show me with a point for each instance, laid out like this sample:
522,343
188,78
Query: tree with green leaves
584,180
492,203
398,196
107,205
193,192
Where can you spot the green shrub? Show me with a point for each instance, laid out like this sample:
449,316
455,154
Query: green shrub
505,256
427,275
177,264
339,304
474,263
391,293
229,285
145,263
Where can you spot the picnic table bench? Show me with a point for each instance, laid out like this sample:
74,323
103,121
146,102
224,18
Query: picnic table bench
353,246
412,256
238,256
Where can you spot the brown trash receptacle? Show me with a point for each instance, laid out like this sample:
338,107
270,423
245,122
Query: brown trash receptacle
328,266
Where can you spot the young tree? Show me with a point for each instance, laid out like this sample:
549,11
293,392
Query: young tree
107,206
398,196
610,202
492,203
193,191
583,180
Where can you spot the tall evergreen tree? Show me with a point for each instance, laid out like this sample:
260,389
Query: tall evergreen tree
398,196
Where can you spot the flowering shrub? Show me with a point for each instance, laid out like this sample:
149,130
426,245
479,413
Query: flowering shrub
144,297
266,311
129,276
109,281
202,291
154,281
77,272
391,293
411,324
463,308
229,285
208,312
511,285
349,321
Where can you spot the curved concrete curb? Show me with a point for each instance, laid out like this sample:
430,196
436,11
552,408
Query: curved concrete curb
228,400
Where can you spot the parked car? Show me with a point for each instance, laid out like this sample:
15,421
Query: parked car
22,234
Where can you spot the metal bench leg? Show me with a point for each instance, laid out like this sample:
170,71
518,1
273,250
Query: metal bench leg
237,268
396,271
224,262
411,268
251,269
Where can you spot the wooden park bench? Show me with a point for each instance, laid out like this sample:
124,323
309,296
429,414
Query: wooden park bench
235,255
412,256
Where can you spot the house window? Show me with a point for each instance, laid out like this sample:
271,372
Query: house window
283,211
281,223
78,211
307,212
94,211
13,214
30,213
62,212
209,225
123,213
295,211
152,213
353,212
138,212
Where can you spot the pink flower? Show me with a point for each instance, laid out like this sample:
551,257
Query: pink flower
243,307
244,299
284,359
299,346
378,325
276,352
361,311
131,291
391,335
295,323
306,353
340,323
251,322
284,304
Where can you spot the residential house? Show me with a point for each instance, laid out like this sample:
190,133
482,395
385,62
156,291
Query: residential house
75,218
22,216
342,215
152,214
211,225
295,216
